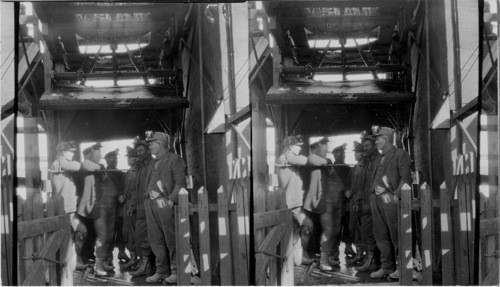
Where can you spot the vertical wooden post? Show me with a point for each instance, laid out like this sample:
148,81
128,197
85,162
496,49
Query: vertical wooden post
50,212
204,237
6,224
447,251
184,237
226,266
427,232
464,227
405,241
242,225
286,250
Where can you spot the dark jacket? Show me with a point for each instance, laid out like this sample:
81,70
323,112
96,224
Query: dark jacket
130,190
141,185
63,183
92,190
171,174
393,171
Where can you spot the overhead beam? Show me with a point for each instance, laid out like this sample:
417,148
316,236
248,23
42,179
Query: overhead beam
347,69
138,97
123,75
355,92
341,20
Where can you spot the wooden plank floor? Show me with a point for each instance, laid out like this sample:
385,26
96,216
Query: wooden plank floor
343,275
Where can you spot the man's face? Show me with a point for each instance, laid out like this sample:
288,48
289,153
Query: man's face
68,155
96,155
339,156
142,151
368,147
155,147
112,161
358,155
131,160
295,149
381,142
323,150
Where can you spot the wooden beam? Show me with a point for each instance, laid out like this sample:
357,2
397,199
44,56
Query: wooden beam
239,116
225,248
35,227
467,110
341,20
269,218
36,276
447,251
488,226
343,93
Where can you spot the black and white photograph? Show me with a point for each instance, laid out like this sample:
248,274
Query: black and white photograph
249,143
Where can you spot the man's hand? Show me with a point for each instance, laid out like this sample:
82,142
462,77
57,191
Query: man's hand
130,212
348,193
356,208
396,199
154,194
379,189
122,198
170,203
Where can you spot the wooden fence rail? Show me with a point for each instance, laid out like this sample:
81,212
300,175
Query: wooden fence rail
7,219
43,232
457,228
232,230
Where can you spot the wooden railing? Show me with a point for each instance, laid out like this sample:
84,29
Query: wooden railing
457,227
233,235
6,224
43,236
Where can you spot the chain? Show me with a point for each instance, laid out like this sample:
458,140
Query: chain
36,256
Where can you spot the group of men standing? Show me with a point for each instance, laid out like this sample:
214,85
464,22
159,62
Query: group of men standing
356,205
132,210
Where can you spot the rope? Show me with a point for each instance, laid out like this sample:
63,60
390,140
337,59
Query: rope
36,256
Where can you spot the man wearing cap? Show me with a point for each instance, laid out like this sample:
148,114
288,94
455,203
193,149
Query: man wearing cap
392,172
137,207
127,199
93,207
362,200
112,187
344,185
357,176
291,183
167,176
62,170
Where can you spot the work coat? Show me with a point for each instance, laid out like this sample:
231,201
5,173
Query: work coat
393,171
92,190
170,175
62,181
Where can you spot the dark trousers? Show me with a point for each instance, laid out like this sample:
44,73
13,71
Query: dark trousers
385,227
119,239
141,237
89,241
367,237
105,229
161,233
346,235
128,232
355,227
331,225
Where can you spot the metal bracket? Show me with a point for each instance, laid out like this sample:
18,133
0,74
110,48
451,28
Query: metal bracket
35,256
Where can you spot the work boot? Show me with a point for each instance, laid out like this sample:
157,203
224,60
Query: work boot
172,279
157,277
323,262
143,267
122,255
348,250
80,265
107,265
370,263
333,261
381,273
131,262
395,274
359,255
99,270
